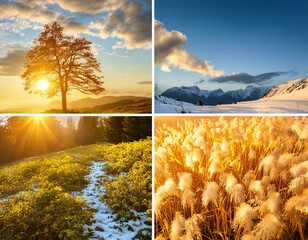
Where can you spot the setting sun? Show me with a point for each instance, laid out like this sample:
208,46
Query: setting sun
42,84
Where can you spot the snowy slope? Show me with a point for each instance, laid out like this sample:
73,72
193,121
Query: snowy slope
288,87
169,105
294,102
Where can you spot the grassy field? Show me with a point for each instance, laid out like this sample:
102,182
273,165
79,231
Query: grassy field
41,198
231,178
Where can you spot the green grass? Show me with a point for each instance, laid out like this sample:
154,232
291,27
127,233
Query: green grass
130,164
36,200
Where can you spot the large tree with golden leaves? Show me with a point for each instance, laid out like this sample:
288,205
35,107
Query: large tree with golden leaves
64,62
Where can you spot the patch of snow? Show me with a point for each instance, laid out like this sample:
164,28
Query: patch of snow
11,196
62,151
216,93
104,225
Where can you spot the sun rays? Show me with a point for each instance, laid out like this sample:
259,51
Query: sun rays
42,85
36,129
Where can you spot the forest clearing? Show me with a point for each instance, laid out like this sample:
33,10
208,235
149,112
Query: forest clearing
95,191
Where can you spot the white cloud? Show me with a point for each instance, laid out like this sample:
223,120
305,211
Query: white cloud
170,53
41,16
116,54
130,23
89,6
165,68
15,24
34,3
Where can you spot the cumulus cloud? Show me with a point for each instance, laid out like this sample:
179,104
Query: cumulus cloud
131,23
248,79
89,6
41,16
128,21
166,43
170,53
33,14
12,63
71,25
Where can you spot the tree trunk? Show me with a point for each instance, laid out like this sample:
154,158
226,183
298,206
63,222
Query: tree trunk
64,107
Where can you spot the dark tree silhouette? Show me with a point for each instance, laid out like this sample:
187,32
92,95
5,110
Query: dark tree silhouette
65,62
7,141
136,128
111,129
87,130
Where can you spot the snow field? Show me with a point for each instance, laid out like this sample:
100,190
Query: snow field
295,103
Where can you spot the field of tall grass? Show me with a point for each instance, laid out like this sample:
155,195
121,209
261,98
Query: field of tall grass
231,178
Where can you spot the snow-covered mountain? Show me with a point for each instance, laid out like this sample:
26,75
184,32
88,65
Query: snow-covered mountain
290,97
195,95
288,87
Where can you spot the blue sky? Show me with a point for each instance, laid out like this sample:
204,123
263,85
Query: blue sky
120,31
248,38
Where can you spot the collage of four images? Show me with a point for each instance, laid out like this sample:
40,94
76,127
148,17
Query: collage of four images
152,119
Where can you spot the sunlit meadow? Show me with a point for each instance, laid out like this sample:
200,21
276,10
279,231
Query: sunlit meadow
231,178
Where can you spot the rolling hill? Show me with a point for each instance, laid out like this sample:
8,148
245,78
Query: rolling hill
104,104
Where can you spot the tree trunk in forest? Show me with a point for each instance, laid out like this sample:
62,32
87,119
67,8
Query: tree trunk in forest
64,108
